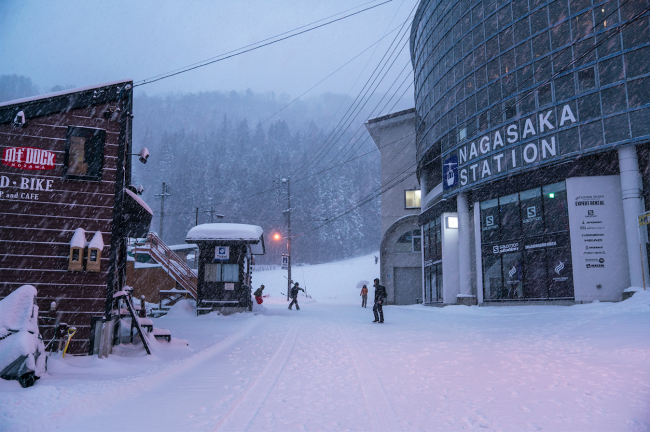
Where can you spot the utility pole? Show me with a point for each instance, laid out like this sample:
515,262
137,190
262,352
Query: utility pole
212,215
288,213
165,193
197,217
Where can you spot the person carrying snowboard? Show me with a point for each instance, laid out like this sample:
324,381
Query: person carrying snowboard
294,295
364,296
258,294
380,297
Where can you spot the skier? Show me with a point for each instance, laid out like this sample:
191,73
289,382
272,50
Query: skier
294,295
380,297
364,296
376,259
258,294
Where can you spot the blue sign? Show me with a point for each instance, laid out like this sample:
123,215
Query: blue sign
450,173
221,253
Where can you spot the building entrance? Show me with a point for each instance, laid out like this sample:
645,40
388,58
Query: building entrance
526,246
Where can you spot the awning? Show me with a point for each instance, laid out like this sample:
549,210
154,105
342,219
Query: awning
136,216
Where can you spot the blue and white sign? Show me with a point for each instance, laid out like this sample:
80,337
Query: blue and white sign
221,253
285,262
450,173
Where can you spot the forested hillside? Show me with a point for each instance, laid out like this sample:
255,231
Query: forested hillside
226,153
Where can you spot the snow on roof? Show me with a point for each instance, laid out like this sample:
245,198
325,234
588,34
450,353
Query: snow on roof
78,238
183,247
139,201
61,93
97,242
225,231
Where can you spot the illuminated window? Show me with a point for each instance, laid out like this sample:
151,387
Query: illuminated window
84,157
412,199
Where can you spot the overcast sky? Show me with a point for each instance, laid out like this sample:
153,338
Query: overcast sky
70,42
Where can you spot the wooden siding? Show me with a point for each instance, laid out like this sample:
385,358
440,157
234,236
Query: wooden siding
36,225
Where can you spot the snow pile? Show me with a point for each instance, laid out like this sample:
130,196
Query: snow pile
78,239
225,231
139,201
19,336
97,242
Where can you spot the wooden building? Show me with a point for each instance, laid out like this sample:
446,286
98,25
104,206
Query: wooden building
225,265
65,203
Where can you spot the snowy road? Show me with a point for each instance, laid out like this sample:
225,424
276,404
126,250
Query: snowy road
327,367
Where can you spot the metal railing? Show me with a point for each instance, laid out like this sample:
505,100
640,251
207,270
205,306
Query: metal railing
172,263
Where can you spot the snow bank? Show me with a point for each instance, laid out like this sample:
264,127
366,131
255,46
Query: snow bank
225,231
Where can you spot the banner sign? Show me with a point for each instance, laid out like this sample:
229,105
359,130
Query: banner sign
28,158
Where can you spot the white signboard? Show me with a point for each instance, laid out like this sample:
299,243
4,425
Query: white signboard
285,262
221,253
229,286
598,249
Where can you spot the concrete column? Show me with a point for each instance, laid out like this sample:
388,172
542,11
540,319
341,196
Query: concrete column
464,252
631,188
478,250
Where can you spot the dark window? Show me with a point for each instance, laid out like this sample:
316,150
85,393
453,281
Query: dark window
558,11
483,121
527,104
489,6
565,87
544,94
508,62
492,48
561,60
496,115
614,99
519,8
584,52
493,70
524,77
511,109
589,107
560,35
93,255
611,70
556,215
543,69
539,20
531,212
512,276
482,99
605,15
523,53
509,212
582,25
492,276
491,26
611,44
636,33
509,84
541,45
505,16
578,5
639,91
84,157
535,278
640,122
506,39
477,13
522,30
591,135
479,36
569,141
616,128
586,79
479,56
490,221
637,62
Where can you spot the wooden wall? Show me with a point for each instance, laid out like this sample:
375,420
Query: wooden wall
36,227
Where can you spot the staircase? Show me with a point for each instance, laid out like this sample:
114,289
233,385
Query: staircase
173,265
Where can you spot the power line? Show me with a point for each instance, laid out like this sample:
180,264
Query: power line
242,50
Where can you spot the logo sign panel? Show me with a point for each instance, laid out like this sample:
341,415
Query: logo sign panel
285,262
450,172
28,158
221,253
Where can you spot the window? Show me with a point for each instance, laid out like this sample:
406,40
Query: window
84,156
412,199
409,242
221,273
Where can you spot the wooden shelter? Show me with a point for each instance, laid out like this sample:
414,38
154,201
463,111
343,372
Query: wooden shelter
65,206
225,265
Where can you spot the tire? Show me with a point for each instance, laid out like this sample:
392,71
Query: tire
27,380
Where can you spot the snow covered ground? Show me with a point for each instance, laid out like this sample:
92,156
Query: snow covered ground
328,367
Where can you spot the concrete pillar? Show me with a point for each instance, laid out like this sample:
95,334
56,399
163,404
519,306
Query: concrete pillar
478,251
631,188
464,252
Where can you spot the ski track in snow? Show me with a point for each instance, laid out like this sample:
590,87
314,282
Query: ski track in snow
248,405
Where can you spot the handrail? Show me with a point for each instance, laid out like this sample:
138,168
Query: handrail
176,267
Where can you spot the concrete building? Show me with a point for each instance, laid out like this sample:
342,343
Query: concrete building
532,122
401,244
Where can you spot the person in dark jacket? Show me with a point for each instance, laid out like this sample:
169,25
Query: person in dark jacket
380,298
294,295
258,294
